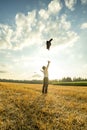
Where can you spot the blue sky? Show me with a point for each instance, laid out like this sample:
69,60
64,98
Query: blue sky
26,25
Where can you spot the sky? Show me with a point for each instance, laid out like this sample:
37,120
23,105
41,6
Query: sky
26,25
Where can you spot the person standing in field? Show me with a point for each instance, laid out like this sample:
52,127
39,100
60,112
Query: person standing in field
45,79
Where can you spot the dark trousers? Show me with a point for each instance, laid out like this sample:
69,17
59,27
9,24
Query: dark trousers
45,85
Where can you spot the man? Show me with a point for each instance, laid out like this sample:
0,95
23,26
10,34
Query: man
45,80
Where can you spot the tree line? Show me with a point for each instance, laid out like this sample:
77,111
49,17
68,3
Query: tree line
65,79
69,79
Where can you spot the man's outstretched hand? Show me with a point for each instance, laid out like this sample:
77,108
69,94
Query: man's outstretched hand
48,61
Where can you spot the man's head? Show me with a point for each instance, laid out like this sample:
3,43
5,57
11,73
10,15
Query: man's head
43,67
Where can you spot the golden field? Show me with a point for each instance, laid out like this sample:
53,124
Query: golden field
24,107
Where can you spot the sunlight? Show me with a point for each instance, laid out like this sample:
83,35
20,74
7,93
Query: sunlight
53,70
26,64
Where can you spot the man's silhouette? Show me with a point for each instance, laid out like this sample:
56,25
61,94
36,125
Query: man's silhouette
45,80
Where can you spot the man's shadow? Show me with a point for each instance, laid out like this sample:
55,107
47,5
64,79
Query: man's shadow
36,113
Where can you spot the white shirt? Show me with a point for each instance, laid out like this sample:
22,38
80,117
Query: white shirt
45,72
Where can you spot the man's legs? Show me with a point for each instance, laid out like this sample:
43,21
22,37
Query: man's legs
46,84
43,89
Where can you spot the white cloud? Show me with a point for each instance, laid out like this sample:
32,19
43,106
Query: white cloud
70,4
72,36
25,33
43,14
61,31
64,24
32,30
54,7
84,1
5,36
85,66
2,67
84,26
24,29
36,76
5,70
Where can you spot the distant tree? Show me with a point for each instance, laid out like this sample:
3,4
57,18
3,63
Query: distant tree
67,79
77,79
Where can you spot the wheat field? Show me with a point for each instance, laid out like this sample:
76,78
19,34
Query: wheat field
24,107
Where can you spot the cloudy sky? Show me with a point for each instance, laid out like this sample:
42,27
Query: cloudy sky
26,25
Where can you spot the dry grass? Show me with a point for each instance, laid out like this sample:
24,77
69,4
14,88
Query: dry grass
23,107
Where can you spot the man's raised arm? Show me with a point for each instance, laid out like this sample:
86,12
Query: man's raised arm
48,64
